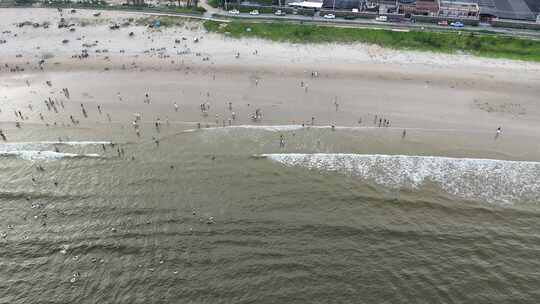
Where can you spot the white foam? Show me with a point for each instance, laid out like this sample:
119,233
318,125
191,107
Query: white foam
39,145
286,128
33,155
495,181
271,128
37,150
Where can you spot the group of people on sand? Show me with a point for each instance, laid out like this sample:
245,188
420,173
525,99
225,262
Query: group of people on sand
53,104
378,120
383,122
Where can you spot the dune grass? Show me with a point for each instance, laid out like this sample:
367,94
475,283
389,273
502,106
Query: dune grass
446,42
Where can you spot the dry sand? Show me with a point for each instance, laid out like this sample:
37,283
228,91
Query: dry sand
450,104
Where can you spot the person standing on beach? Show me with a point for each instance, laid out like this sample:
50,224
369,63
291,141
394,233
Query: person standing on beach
84,111
157,124
403,134
147,98
499,131
281,141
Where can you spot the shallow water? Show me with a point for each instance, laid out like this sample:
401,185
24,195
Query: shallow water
201,219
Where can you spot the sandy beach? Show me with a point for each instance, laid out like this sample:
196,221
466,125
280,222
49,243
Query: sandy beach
450,105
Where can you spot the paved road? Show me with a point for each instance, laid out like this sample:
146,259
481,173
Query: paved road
370,23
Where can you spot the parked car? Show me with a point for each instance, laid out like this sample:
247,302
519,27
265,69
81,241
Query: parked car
443,23
329,16
279,13
355,10
457,24
254,12
234,12
381,18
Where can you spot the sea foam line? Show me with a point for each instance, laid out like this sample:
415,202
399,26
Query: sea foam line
43,155
286,128
33,145
491,180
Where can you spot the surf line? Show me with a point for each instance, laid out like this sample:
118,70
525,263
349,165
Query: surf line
285,128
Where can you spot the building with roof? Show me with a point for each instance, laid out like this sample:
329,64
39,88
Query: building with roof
506,9
455,9
344,4
427,7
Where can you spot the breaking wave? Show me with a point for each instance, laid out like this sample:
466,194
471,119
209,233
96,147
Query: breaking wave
36,145
275,128
43,155
494,181
287,128
37,150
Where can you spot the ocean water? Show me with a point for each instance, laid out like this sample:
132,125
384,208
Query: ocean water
227,216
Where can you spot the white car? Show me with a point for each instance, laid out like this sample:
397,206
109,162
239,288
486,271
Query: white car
254,12
234,12
381,18
279,13
330,16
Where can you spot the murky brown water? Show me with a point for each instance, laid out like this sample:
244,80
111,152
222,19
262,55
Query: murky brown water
199,220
